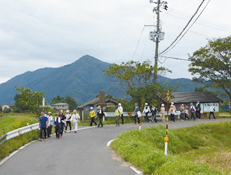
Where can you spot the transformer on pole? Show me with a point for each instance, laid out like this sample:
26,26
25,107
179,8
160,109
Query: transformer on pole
157,35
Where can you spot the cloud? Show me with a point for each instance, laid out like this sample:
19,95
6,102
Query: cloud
35,34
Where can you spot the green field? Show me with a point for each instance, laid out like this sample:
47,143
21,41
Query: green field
201,149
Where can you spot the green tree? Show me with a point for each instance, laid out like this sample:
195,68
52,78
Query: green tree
137,78
212,65
28,100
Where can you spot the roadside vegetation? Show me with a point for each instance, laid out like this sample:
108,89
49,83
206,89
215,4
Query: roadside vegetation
12,121
201,149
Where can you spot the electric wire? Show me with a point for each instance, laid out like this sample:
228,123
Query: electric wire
184,27
138,43
188,28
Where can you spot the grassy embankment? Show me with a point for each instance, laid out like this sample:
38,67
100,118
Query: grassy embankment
11,121
201,149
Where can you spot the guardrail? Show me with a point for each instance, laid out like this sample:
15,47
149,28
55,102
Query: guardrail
18,132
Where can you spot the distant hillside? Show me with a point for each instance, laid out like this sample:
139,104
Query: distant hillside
81,80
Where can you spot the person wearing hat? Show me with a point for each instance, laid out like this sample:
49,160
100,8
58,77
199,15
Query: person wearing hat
117,114
136,110
68,120
50,124
57,125
63,122
198,110
100,114
182,112
162,113
121,112
75,118
92,115
192,111
146,111
172,111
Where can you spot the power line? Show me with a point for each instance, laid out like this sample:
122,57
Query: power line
189,27
182,59
138,43
184,27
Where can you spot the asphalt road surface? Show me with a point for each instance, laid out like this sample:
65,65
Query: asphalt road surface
84,153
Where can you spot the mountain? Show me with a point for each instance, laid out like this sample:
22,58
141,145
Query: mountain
81,80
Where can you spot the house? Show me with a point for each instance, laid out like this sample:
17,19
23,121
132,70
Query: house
7,107
59,106
105,101
205,98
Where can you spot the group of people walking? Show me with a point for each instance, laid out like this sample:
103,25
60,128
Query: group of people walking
193,112
60,122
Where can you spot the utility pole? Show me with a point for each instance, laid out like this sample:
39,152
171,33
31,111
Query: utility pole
157,35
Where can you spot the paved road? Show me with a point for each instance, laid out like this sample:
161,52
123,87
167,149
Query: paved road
84,153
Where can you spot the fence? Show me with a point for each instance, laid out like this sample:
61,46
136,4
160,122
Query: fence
18,132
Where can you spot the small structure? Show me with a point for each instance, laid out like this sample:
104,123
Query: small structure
7,107
205,98
59,106
106,102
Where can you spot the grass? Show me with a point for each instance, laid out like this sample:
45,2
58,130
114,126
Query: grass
201,149
11,121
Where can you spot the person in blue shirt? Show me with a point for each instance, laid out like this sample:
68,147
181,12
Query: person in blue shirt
43,124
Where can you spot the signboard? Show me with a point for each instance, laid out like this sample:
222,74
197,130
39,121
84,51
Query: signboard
206,107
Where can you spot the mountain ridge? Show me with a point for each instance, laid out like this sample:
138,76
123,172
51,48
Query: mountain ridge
81,80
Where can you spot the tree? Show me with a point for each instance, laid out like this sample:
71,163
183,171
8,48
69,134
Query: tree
28,100
212,65
137,79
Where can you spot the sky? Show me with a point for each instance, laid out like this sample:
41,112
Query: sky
54,33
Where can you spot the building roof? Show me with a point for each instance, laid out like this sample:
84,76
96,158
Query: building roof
60,104
187,97
95,101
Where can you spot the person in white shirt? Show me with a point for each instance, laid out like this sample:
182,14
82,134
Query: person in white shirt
75,118
211,111
146,111
68,120
50,124
192,110
120,108
162,113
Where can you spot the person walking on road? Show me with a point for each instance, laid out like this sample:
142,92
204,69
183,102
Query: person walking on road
68,120
50,125
92,115
186,112
172,111
75,118
117,114
182,112
121,112
57,125
162,113
211,111
198,110
146,111
100,114
154,111
63,123
43,124
136,110
192,110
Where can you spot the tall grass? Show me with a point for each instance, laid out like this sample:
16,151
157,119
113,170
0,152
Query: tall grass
191,150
